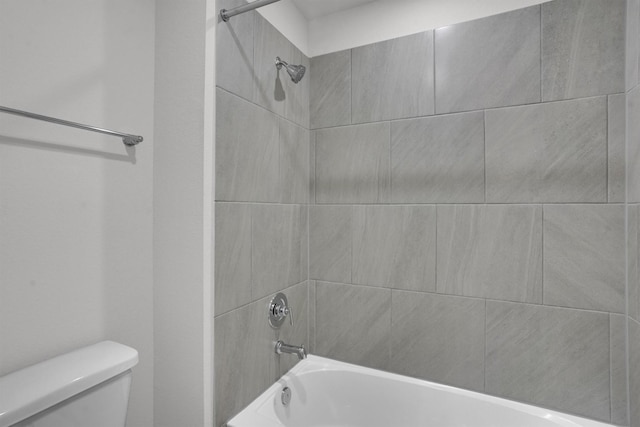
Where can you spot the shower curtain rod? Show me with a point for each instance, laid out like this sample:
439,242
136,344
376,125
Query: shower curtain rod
127,139
226,14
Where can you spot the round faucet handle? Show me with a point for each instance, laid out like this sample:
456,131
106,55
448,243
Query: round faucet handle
284,311
278,310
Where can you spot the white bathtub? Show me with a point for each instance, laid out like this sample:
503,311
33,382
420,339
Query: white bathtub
327,393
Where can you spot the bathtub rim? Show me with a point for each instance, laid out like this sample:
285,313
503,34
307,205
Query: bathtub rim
316,364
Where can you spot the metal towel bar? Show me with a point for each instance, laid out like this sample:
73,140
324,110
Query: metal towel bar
127,139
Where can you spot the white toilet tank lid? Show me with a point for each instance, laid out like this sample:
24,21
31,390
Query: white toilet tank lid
33,389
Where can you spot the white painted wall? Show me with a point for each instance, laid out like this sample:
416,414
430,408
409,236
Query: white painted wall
288,19
378,21
76,207
183,217
388,19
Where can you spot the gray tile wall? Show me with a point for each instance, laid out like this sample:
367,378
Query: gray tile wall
263,188
534,352
438,159
581,56
392,79
491,62
462,193
475,216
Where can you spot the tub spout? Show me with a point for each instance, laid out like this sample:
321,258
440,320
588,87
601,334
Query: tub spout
300,351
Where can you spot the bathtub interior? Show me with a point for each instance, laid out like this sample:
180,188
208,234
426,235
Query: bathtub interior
328,393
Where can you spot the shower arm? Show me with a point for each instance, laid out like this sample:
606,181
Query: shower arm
225,14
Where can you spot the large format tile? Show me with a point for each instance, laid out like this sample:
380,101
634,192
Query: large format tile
438,338
352,164
279,247
353,324
296,95
269,83
549,356
633,145
584,251
616,147
330,102
330,235
490,251
234,49
438,159
394,246
617,326
490,62
393,79
232,256
247,157
245,361
547,153
295,143
583,44
634,372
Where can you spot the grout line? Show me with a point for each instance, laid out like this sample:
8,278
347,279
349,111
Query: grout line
308,340
501,203
436,251
251,281
433,57
390,168
449,113
484,153
280,179
351,85
542,256
254,301
389,343
308,273
484,358
541,46
315,168
607,124
352,238
315,316
610,371
445,295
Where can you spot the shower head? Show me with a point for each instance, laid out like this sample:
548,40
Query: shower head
296,72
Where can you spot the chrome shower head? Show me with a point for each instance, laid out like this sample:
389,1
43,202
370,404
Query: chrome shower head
296,72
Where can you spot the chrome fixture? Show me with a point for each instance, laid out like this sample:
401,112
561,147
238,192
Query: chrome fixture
278,309
285,396
127,139
226,14
296,72
299,351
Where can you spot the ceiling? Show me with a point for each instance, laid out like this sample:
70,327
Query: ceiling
312,9
319,27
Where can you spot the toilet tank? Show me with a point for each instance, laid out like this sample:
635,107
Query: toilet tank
88,387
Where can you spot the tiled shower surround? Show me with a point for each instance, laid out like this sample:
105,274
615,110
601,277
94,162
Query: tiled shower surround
448,205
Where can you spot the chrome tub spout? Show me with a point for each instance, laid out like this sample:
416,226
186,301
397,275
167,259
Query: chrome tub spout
300,351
